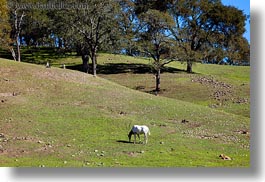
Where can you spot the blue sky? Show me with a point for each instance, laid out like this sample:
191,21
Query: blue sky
242,5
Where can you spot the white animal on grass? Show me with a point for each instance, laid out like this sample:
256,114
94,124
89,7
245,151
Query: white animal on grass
137,130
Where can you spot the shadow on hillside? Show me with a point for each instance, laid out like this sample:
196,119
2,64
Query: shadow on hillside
118,68
37,55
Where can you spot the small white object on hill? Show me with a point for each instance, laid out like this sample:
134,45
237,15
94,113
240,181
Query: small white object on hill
48,65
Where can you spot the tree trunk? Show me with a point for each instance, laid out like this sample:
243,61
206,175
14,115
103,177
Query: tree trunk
18,21
85,60
18,50
94,64
13,53
83,51
60,42
158,80
189,66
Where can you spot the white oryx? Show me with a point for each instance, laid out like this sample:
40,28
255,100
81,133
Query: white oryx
137,130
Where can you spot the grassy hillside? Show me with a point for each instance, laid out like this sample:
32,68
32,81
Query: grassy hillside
225,88
64,118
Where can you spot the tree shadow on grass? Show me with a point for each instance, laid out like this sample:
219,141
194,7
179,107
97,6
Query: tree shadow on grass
78,67
37,55
119,68
116,68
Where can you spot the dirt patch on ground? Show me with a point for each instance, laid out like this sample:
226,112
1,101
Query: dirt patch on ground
171,131
131,154
191,124
210,81
240,100
9,94
16,146
243,132
221,91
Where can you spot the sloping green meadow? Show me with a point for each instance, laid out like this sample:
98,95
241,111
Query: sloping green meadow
64,118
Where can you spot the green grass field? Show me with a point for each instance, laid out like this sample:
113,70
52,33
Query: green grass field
64,118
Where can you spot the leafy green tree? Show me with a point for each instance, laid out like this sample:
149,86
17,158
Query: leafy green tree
155,42
67,37
204,22
142,6
244,51
238,50
94,24
36,28
16,18
128,27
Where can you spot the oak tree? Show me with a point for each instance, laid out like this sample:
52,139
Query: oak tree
204,22
155,41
